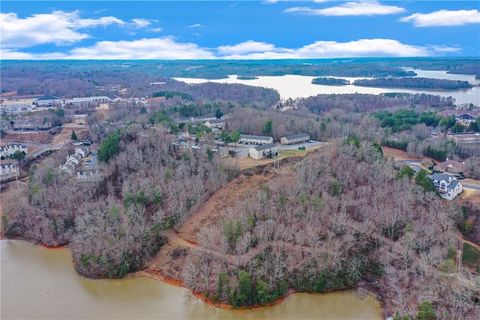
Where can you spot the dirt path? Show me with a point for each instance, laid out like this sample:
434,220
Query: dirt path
210,212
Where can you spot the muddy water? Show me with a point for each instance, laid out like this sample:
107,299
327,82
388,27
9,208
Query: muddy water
40,283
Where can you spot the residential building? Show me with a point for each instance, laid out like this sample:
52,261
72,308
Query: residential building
251,139
215,124
295,138
9,149
451,166
32,125
48,101
8,171
465,119
89,175
447,185
263,151
85,101
83,151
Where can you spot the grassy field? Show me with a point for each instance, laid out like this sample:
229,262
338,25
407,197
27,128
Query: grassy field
471,257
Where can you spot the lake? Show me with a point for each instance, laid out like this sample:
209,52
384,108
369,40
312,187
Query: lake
293,86
41,283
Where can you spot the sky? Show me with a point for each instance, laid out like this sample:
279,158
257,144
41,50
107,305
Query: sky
270,29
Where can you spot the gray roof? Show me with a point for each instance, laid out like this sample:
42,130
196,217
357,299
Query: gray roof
248,136
298,135
265,146
441,176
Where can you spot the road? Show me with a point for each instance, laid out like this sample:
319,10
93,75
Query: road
417,166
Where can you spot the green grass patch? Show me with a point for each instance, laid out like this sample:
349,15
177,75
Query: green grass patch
471,257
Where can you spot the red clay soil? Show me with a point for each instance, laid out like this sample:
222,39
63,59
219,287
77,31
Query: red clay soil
210,212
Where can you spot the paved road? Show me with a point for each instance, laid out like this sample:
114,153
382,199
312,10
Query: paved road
471,186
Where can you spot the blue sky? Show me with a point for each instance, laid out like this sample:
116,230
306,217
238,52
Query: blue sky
237,29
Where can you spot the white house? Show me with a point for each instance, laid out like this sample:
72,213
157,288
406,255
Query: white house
82,151
465,119
250,139
8,171
295,138
263,151
9,149
216,123
447,185
88,175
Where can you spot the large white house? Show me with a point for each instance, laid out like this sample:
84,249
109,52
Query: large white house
447,185
9,149
263,151
250,139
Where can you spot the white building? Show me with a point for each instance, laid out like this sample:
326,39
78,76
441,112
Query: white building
465,119
88,175
215,124
251,139
295,138
447,185
8,171
263,151
87,100
82,151
9,149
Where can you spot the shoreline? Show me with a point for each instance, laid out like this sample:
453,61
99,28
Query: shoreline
157,275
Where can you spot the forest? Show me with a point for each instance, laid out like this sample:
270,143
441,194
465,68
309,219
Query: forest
336,221
328,81
414,83
114,225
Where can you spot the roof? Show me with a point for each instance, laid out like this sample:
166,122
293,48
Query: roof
247,136
48,97
297,136
451,166
265,146
441,176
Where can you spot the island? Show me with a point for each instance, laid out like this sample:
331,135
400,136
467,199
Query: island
247,77
414,83
328,81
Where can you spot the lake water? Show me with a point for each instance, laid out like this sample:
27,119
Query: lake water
40,283
293,86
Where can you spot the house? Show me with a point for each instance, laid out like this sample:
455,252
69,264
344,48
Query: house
447,185
90,175
8,171
10,149
215,124
451,166
32,125
263,151
250,139
295,138
465,138
465,119
82,151
48,101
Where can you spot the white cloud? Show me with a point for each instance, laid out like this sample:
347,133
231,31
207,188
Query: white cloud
154,48
140,23
57,27
196,25
443,18
367,8
328,49
168,48
246,47
157,29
